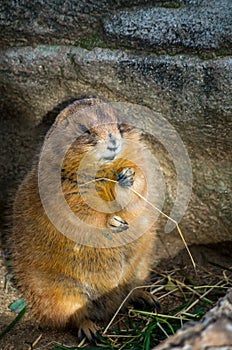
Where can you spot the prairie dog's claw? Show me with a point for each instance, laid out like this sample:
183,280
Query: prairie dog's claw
117,224
126,177
88,329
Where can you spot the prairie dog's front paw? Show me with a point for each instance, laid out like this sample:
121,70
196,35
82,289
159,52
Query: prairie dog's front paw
126,177
117,224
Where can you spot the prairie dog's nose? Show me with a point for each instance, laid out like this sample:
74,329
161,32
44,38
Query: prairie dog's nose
113,143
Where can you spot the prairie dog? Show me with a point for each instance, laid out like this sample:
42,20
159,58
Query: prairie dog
67,283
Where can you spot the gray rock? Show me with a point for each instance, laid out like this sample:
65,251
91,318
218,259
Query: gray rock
55,21
184,88
199,25
168,25
24,22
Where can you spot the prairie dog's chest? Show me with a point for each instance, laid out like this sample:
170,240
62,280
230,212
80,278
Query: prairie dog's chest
99,262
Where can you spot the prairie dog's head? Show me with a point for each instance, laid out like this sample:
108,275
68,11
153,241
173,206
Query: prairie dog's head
94,128
98,130
107,142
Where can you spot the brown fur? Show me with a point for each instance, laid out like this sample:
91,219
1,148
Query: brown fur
65,282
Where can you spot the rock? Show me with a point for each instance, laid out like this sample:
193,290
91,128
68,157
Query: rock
211,333
55,21
183,87
196,26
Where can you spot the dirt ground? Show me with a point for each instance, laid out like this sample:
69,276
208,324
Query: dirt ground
211,263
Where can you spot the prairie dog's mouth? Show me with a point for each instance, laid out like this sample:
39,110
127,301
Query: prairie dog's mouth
111,153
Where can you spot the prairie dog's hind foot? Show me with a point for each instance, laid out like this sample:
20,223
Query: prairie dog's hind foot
88,329
126,177
144,300
117,224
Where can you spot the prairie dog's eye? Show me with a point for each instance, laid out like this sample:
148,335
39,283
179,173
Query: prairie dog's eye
84,129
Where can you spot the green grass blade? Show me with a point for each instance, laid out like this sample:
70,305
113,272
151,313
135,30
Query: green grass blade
13,323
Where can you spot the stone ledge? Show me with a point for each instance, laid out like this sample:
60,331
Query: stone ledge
58,22
197,26
166,26
182,87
